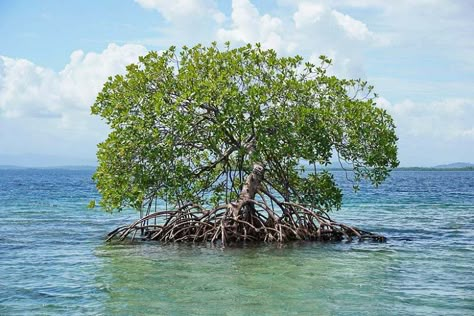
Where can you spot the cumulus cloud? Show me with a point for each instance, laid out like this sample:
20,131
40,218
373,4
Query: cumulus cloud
443,119
248,26
22,85
435,132
309,28
29,90
47,113
308,13
187,22
356,29
179,9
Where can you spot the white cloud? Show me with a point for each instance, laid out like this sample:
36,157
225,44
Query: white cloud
188,22
248,26
308,13
356,29
443,119
436,28
309,28
28,90
48,113
176,10
433,132
22,86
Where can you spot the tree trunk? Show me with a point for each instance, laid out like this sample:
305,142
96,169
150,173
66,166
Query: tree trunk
249,190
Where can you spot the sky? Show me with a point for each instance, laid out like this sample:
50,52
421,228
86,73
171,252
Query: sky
55,56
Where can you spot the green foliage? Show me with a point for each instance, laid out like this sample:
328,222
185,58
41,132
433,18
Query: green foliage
188,126
320,190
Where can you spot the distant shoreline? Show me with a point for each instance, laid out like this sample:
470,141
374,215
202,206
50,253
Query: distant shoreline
12,167
415,169
433,169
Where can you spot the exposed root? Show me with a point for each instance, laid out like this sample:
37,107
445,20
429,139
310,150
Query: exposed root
252,221
244,220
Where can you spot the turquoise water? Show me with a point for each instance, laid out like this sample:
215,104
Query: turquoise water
54,261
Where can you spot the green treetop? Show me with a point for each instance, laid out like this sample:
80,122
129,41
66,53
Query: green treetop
190,126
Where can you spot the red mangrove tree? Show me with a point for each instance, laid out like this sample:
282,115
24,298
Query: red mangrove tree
221,137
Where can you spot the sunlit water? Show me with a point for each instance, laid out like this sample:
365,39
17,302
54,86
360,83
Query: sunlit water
54,261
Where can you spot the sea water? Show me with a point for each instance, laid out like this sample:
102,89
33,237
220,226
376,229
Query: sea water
54,259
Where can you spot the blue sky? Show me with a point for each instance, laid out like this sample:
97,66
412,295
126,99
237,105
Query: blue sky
55,56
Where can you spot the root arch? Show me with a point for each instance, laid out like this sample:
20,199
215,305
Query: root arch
191,223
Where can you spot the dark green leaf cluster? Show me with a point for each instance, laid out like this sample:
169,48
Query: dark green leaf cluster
188,126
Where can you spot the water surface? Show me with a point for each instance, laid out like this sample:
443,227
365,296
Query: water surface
54,261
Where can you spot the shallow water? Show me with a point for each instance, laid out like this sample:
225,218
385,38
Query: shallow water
54,261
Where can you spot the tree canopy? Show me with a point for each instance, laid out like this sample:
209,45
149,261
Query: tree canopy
189,125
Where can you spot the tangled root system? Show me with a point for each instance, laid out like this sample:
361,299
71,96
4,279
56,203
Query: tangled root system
252,221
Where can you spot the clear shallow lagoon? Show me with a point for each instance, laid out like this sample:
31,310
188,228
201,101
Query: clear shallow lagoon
54,261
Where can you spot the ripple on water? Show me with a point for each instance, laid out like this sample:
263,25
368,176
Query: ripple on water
53,260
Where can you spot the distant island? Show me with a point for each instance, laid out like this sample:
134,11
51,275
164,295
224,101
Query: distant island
433,169
455,165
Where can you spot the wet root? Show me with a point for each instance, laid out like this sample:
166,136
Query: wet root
255,221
